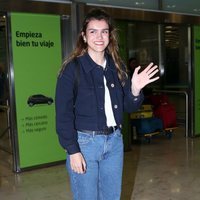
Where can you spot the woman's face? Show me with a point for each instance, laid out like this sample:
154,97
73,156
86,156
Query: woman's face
97,36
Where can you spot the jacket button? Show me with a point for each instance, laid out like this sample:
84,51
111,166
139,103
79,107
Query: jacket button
115,106
112,85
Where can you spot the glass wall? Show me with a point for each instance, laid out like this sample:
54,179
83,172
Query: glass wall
167,45
144,46
176,56
143,43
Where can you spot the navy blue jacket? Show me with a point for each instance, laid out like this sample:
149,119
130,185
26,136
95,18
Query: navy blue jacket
89,113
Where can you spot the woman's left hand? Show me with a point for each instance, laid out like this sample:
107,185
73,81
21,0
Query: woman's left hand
140,80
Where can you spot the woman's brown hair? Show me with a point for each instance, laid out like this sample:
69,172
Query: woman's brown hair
112,48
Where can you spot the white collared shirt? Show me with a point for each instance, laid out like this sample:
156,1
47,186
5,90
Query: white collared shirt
108,105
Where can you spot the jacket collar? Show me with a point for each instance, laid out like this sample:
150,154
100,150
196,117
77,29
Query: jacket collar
88,64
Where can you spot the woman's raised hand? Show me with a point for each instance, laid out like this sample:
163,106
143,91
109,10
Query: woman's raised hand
140,80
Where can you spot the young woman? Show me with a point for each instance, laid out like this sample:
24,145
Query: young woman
89,121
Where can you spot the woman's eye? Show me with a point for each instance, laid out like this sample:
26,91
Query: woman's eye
92,31
105,31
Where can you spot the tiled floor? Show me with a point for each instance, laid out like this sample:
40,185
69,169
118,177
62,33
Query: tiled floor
162,170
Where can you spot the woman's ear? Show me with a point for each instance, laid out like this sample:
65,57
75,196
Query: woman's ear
84,38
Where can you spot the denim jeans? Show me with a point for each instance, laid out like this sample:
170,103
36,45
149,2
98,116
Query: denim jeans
104,159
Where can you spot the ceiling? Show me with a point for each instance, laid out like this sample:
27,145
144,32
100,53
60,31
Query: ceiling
191,7
188,7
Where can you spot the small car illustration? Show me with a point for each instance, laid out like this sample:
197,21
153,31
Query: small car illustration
39,99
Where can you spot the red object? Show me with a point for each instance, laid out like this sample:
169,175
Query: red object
167,113
157,99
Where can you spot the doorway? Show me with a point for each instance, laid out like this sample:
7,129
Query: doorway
5,135
168,46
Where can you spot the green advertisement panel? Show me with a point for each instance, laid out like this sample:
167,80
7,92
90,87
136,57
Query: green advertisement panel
196,43
36,46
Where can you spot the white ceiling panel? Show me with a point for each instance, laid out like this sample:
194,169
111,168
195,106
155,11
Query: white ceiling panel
182,6
191,7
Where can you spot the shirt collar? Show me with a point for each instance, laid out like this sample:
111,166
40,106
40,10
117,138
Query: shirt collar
88,64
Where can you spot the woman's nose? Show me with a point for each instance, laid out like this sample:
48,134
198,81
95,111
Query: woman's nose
99,34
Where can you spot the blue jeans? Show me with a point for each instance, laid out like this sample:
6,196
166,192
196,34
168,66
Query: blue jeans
104,159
